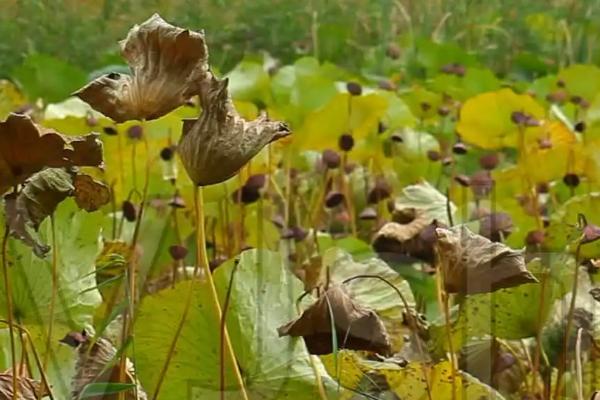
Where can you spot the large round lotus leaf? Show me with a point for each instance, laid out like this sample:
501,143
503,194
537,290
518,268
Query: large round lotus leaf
262,299
474,82
410,383
48,78
581,80
432,56
562,231
249,81
77,244
422,102
344,113
410,157
10,98
485,120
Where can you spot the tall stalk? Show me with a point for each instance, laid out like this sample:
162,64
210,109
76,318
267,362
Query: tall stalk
9,314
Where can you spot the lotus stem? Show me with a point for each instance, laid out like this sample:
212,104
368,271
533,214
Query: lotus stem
53,272
9,313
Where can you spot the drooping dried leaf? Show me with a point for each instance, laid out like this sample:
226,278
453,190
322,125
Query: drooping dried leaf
26,148
90,194
168,64
216,145
97,361
471,263
28,389
357,327
38,199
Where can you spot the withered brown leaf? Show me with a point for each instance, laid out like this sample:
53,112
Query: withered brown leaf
26,148
357,327
216,145
471,263
90,194
28,389
168,64
97,361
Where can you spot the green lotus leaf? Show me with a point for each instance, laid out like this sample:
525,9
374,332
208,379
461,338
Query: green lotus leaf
581,80
249,81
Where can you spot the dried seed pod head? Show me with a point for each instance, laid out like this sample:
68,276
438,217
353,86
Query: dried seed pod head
346,142
443,111
334,199
380,191
168,66
393,51
558,96
356,327
177,201
571,180
535,238
489,161
256,181
75,339
216,145
545,143
434,155
135,132
129,211
518,117
481,183
354,88
166,154
245,195
462,180
386,84
580,126
496,226
459,148
381,127
178,252
368,214
110,131
331,159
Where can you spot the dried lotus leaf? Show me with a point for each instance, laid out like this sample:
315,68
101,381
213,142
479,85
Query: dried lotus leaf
168,64
28,389
26,148
357,327
89,193
215,146
471,263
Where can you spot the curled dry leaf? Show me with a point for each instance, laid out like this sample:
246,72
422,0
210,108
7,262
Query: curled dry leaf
29,389
471,263
168,64
90,194
356,327
411,234
97,362
38,199
216,145
26,148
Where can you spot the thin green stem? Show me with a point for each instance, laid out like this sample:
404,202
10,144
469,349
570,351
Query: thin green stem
9,313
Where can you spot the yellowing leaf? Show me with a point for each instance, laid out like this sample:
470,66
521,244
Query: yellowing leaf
485,120
10,98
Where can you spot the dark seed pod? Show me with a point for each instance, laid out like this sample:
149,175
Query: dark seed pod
354,88
425,106
535,238
545,143
135,132
381,127
542,187
393,51
402,362
580,126
446,161
571,180
558,96
109,130
459,148
591,233
331,159
287,233
129,211
462,180
481,183
299,233
346,142
246,195
380,191
560,83
334,199
178,252
256,181
91,121
396,137
433,155
177,202
518,118
349,168
531,121
167,153
489,161
368,214
443,111
386,84
217,261
459,70
576,99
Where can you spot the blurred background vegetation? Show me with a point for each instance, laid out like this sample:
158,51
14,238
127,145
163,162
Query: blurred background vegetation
535,35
